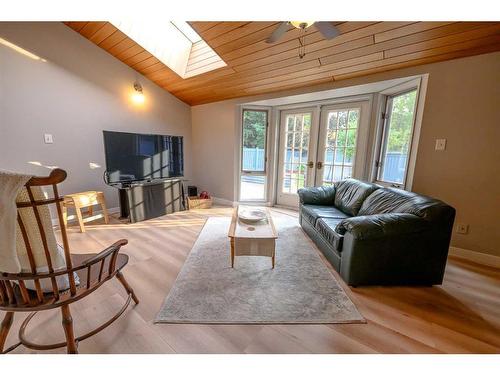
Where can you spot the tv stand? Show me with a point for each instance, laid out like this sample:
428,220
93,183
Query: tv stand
143,200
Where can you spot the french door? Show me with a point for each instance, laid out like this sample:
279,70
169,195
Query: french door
297,153
319,146
342,143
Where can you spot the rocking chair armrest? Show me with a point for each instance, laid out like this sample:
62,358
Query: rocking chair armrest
106,252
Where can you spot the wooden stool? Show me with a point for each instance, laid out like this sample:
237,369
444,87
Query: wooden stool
81,200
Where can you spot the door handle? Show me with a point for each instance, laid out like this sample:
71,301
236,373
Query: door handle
319,164
310,164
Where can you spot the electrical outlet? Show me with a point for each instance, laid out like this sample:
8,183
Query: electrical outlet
48,138
462,228
440,144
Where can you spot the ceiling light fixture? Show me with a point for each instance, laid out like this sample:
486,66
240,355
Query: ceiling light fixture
327,29
138,95
302,26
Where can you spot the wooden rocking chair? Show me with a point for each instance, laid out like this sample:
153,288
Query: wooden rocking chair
85,273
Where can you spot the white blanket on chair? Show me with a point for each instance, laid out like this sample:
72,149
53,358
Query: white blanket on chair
13,253
10,184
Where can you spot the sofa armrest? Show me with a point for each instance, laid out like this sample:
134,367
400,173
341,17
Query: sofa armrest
382,225
321,195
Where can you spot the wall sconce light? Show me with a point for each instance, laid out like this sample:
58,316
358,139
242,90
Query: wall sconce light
138,95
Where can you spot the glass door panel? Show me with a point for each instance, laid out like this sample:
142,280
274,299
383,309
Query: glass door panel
341,135
295,154
340,144
253,155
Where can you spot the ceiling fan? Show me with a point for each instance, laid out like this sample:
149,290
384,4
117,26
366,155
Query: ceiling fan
327,29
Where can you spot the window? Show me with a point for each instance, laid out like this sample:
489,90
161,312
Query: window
253,155
298,128
396,142
173,43
340,147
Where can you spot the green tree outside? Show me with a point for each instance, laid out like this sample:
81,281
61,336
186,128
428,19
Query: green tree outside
401,121
254,129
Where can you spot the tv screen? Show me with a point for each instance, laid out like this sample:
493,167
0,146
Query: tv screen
136,157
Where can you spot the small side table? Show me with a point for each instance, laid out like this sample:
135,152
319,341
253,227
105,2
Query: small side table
86,199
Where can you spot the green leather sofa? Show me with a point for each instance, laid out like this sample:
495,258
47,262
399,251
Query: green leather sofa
378,236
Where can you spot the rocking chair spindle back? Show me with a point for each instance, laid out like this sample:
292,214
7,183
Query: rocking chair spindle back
25,291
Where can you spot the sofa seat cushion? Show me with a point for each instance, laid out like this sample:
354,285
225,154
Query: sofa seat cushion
326,227
312,213
350,195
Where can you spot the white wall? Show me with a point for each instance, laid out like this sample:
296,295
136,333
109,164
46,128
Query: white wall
462,105
78,92
215,148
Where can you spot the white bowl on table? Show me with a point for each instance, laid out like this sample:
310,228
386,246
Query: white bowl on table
252,215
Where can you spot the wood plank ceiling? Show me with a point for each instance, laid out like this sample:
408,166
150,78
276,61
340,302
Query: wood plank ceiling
256,67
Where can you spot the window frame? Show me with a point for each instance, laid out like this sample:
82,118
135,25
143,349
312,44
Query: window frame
388,99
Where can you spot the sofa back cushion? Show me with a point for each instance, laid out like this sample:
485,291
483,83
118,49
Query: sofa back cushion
350,195
390,200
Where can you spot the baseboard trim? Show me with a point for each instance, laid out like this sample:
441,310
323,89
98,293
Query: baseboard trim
223,202
72,218
476,257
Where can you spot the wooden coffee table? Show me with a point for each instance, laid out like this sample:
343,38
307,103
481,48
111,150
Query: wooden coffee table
257,239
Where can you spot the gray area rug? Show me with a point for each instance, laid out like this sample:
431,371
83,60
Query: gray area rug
300,289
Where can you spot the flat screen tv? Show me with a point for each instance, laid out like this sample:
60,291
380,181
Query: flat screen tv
138,157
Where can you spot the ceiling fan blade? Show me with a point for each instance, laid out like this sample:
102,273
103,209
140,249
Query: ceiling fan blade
278,32
328,30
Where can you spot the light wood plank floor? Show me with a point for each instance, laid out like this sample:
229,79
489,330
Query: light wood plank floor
461,316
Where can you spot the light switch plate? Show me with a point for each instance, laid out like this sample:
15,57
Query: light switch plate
48,138
440,144
462,228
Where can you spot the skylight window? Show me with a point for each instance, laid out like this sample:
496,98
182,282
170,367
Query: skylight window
187,30
171,43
